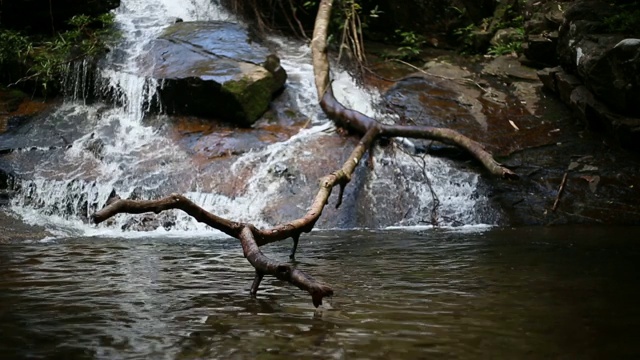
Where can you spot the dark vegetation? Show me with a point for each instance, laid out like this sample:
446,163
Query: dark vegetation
626,20
37,62
35,58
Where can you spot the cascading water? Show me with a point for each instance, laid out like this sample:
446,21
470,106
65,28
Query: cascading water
115,150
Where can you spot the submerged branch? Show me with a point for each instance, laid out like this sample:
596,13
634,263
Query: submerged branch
252,238
285,272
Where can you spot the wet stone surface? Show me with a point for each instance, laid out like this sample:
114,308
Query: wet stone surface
530,131
214,69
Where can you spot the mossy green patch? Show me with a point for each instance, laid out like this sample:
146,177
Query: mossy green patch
253,96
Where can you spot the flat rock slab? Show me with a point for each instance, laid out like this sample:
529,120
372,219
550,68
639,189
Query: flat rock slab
213,69
212,50
509,67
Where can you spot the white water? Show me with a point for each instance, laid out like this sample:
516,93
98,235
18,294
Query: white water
136,156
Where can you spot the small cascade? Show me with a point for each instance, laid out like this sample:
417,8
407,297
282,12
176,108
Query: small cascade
117,150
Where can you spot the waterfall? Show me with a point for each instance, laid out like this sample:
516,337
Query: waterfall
117,149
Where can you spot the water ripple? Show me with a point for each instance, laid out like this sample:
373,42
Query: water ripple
497,294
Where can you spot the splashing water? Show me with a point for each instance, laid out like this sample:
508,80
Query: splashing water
117,151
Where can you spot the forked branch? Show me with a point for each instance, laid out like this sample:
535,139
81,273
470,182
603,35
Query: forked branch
252,238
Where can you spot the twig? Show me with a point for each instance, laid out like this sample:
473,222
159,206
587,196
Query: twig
441,76
560,190
295,17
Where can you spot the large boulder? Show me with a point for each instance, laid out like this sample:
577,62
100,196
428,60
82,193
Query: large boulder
213,69
607,63
599,76
625,130
44,16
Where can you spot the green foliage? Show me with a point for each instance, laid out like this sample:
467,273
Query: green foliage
351,21
13,45
507,17
466,35
627,20
43,61
411,45
513,47
308,5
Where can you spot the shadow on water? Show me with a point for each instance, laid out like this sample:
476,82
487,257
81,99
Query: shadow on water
498,293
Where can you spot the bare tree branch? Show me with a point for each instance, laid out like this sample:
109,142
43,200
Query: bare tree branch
252,238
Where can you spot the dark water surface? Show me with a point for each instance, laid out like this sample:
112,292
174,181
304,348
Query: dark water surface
540,293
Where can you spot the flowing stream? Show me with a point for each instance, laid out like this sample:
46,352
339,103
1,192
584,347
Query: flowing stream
530,293
118,148
179,290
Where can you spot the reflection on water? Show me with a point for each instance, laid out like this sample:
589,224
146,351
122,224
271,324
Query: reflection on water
502,293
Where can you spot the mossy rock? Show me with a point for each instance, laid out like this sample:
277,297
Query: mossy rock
212,69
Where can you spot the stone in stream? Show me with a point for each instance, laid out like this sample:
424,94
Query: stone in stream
213,69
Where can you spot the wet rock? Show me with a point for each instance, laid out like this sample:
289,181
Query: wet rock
445,69
481,40
14,230
509,67
624,130
212,69
566,83
95,147
506,36
7,182
548,78
543,19
142,223
601,183
540,50
607,63
432,100
528,94
279,169
136,194
113,196
614,77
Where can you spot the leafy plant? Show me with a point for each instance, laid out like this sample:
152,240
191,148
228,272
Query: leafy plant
411,44
627,20
13,47
308,5
466,36
43,61
508,48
